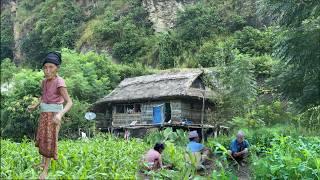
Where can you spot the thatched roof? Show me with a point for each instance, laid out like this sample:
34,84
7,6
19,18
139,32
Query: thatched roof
157,86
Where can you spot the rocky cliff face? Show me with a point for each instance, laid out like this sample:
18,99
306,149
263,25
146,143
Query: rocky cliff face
16,32
163,13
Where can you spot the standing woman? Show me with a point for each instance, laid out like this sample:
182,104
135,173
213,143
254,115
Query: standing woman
54,94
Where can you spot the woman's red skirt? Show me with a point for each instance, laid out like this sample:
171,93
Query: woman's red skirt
47,136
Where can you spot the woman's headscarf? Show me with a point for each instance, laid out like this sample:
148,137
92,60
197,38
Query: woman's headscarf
53,57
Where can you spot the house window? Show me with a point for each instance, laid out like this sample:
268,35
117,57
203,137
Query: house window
119,108
128,108
137,108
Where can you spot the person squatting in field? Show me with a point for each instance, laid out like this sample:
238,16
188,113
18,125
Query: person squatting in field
239,148
196,151
54,94
152,160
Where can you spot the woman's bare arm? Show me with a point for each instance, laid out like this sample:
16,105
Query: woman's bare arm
160,161
64,93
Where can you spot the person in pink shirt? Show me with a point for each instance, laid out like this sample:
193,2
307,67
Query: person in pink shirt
153,157
54,95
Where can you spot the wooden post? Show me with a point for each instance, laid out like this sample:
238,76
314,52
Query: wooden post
94,128
202,115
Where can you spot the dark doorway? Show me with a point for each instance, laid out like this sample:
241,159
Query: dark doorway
167,112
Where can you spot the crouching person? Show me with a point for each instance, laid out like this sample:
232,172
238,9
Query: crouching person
239,148
197,153
152,158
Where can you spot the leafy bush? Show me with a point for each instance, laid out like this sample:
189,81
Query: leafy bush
240,122
8,69
196,23
289,158
263,66
253,41
91,76
169,49
310,118
215,53
16,122
74,120
27,82
274,113
126,32
179,137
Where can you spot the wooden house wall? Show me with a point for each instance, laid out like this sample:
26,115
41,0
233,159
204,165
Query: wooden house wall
146,115
103,120
147,111
180,109
191,111
175,110
119,119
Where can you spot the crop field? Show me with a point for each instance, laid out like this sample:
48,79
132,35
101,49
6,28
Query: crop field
101,157
109,157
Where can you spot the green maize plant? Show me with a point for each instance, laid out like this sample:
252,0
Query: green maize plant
108,157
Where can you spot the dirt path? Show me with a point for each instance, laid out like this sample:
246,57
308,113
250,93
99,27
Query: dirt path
243,172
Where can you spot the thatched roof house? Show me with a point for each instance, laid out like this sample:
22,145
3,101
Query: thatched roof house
178,96
184,84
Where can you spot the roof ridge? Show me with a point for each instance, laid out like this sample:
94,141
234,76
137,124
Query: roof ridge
146,82
159,77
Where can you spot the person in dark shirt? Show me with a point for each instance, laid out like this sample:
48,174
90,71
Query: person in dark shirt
239,148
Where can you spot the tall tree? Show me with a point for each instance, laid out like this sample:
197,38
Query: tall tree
299,48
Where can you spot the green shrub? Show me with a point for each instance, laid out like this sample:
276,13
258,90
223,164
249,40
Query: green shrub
215,53
74,120
16,122
310,119
253,41
8,69
197,22
179,137
273,113
289,158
